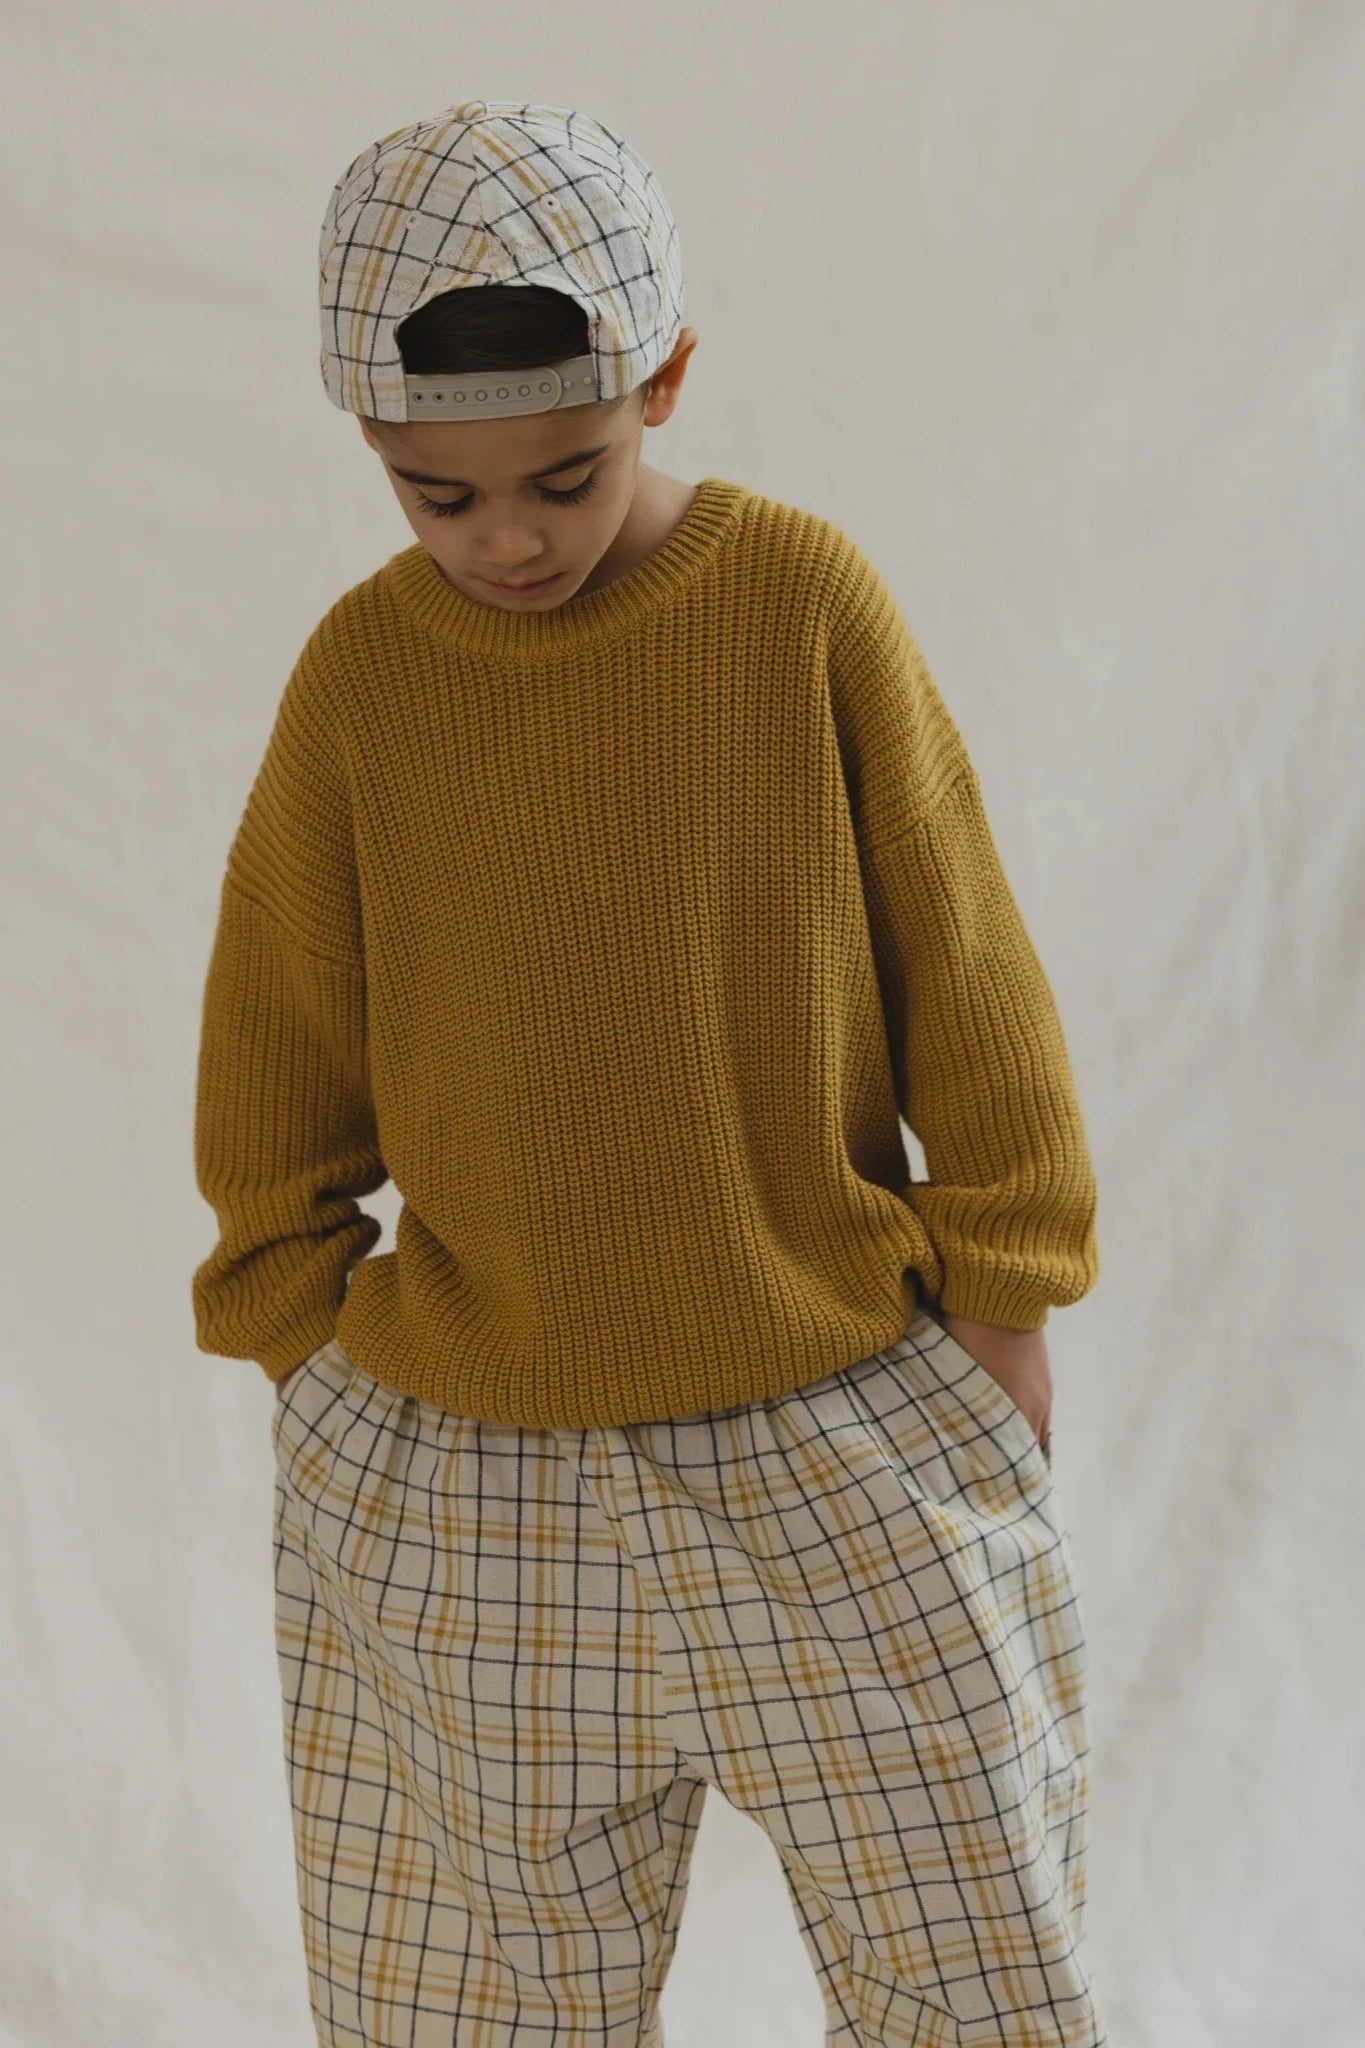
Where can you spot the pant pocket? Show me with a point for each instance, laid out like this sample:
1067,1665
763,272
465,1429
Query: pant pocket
992,1404
308,1393
285,1387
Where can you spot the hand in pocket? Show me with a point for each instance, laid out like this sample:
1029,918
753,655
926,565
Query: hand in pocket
281,1386
1016,1360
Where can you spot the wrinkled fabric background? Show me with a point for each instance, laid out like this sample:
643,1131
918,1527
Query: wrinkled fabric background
1058,311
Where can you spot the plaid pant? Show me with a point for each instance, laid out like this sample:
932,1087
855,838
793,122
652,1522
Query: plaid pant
513,1660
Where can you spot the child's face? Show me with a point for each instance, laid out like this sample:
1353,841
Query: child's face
501,474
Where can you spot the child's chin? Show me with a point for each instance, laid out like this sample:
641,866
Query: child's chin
559,589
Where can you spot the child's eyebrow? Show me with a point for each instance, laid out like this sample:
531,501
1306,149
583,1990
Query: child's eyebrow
417,476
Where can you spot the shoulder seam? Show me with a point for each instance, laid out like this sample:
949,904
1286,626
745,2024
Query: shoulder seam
966,774
348,966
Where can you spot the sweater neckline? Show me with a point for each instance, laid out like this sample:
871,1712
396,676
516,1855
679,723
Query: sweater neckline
463,623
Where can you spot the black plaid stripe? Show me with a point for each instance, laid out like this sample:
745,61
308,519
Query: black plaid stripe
513,1660
527,193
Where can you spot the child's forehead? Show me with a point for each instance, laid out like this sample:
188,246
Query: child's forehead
521,447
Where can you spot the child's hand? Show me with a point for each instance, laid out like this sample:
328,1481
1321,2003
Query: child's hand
1017,1359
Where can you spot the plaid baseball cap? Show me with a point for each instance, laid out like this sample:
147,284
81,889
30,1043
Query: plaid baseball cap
496,192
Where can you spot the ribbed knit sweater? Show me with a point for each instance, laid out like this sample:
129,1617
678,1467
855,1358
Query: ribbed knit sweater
621,936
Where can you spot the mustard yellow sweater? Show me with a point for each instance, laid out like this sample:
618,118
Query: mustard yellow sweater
621,936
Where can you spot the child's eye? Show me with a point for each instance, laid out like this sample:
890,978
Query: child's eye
447,511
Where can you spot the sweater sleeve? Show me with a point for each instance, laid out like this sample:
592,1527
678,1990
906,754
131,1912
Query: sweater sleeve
981,1067
285,1135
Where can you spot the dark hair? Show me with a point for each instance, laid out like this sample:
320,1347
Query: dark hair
493,327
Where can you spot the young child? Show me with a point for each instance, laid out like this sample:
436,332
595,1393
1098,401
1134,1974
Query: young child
614,881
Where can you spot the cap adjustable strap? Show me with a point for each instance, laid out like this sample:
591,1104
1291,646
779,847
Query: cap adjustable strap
485,395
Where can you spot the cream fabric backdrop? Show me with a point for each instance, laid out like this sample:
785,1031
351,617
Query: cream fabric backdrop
1057,310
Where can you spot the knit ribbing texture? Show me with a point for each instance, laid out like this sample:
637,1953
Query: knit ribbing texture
620,937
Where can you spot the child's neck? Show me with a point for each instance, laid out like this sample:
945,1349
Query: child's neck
657,506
